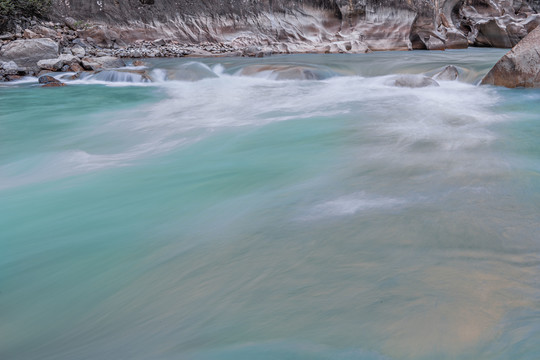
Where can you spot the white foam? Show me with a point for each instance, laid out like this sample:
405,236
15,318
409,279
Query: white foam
353,204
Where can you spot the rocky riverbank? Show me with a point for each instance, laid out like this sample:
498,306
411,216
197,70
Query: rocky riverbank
86,36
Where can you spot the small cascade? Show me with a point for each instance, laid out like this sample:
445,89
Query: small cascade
287,72
121,76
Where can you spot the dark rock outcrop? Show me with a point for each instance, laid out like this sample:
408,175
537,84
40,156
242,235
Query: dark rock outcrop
520,67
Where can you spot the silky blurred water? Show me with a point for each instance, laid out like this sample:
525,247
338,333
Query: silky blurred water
289,207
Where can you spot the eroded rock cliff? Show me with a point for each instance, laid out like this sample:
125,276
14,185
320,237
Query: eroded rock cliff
310,25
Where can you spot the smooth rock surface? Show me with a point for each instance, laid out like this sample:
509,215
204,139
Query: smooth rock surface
296,26
449,73
102,62
413,81
29,52
520,67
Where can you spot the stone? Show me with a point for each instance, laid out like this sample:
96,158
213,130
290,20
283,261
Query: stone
413,81
159,42
50,64
449,73
29,52
102,62
520,67
58,63
49,81
13,77
75,68
78,51
492,33
45,31
29,34
7,36
101,36
71,23
10,68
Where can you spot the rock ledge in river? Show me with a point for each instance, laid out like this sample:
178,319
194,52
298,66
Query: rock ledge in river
520,67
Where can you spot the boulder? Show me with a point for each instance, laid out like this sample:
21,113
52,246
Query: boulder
29,34
413,81
29,52
520,67
58,63
102,36
49,81
78,51
10,68
102,62
50,64
71,23
449,73
45,31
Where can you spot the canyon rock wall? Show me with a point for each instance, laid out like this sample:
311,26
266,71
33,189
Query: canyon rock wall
305,25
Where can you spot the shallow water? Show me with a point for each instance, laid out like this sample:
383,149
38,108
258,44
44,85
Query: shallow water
289,207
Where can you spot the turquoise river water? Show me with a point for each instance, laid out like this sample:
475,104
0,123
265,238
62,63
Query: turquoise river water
288,207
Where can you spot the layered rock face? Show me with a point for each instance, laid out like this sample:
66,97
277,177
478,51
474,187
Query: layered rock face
308,25
520,67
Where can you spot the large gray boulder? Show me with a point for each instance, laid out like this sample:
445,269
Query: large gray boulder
102,62
58,63
412,81
520,67
29,52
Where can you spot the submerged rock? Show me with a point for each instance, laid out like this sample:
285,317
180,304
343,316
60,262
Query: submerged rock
520,67
449,73
413,81
287,72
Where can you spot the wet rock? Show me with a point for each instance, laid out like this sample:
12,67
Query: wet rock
13,77
49,81
75,68
413,81
29,52
139,63
520,67
449,73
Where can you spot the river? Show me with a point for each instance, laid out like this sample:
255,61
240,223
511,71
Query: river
286,207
